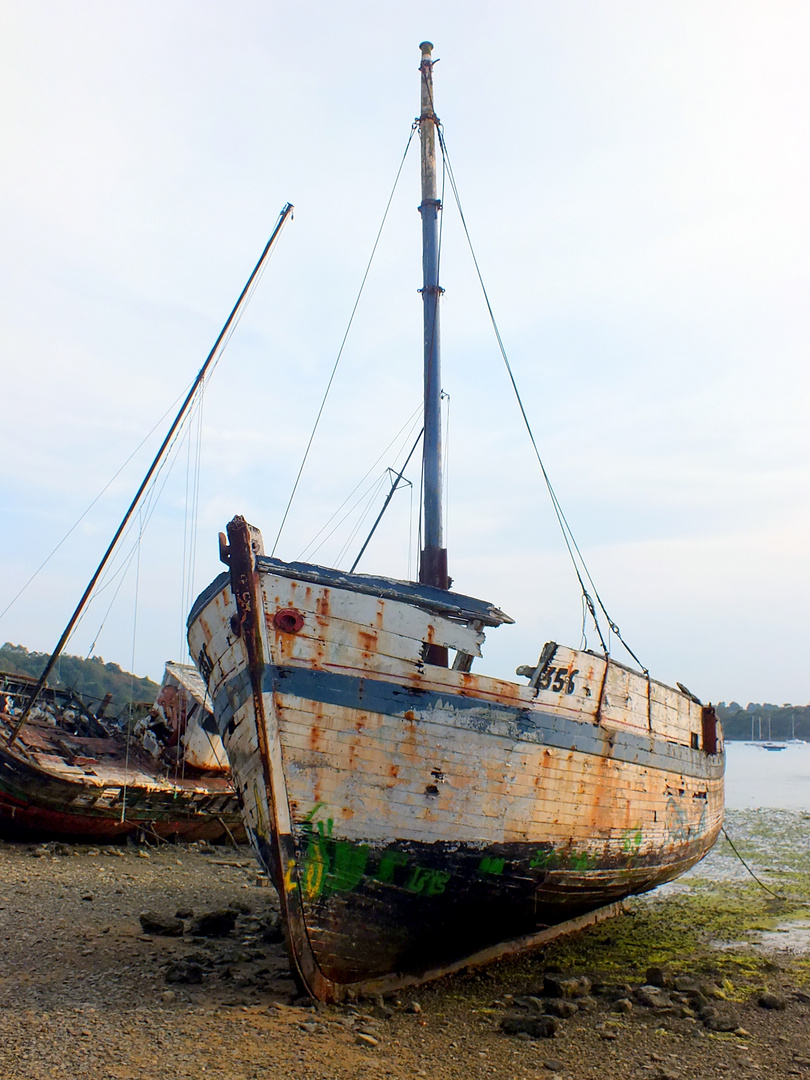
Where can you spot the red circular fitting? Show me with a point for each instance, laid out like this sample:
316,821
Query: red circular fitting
288,621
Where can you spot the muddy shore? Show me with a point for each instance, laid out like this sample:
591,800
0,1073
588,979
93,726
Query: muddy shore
85,992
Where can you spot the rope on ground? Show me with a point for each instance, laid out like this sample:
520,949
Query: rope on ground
759,881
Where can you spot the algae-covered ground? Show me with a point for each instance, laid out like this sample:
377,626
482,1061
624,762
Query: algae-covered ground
717,917
84,992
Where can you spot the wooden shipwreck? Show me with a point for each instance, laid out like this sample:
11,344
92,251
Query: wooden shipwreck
71,774
417,816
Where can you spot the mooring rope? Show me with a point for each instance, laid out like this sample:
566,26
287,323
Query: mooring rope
759,881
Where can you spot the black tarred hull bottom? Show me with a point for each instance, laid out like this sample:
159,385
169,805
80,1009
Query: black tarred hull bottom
409,909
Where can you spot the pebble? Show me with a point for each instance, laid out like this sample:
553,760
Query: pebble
561,1007
215,924
770,1000
366,1040
154,923
566,986
536,1027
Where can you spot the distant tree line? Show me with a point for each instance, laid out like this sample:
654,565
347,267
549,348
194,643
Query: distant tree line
92,678
776,723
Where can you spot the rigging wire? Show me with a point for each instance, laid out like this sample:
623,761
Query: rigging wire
123,560
372,498
394,485
84,514
567,533
131,674
342,345
446,467
212,358
410,424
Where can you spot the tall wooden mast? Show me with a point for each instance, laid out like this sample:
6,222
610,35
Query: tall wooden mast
433,565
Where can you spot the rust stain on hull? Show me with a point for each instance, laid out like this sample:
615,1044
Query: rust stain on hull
421,817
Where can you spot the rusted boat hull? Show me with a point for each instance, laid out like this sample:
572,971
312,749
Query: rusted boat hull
414,816
35,805
70,775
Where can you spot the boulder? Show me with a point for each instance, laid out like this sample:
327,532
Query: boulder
536,1027
214,924
161,925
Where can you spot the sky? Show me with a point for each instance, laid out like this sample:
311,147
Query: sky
634,178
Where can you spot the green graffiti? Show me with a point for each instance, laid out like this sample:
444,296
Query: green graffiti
544,860
490,865
329,865
582,860
427,882
348,866
388,864
631,841
549,859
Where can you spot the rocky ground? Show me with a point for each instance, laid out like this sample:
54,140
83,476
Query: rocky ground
687,984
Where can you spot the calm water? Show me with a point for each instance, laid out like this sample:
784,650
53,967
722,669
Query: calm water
768,778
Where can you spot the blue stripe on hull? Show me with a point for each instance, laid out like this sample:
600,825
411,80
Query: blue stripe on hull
470,713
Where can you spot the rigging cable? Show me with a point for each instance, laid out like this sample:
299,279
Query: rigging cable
211,358
388,499
132,674
410,423
565,528
82,516
342,345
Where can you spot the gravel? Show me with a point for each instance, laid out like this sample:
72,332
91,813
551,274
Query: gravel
84,992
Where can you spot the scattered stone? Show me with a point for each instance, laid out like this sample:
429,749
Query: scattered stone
719,1018
587,1004
613,993
366,1040
652,997
656,976
553,1065
566,986
143,854
162,925
685,984
536,1027
272,932
623,1005
87,896
413,1007
770,1000
181,971
184,913
214,924
168,996
561,1007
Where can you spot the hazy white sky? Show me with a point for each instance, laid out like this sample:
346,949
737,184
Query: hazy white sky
635,180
